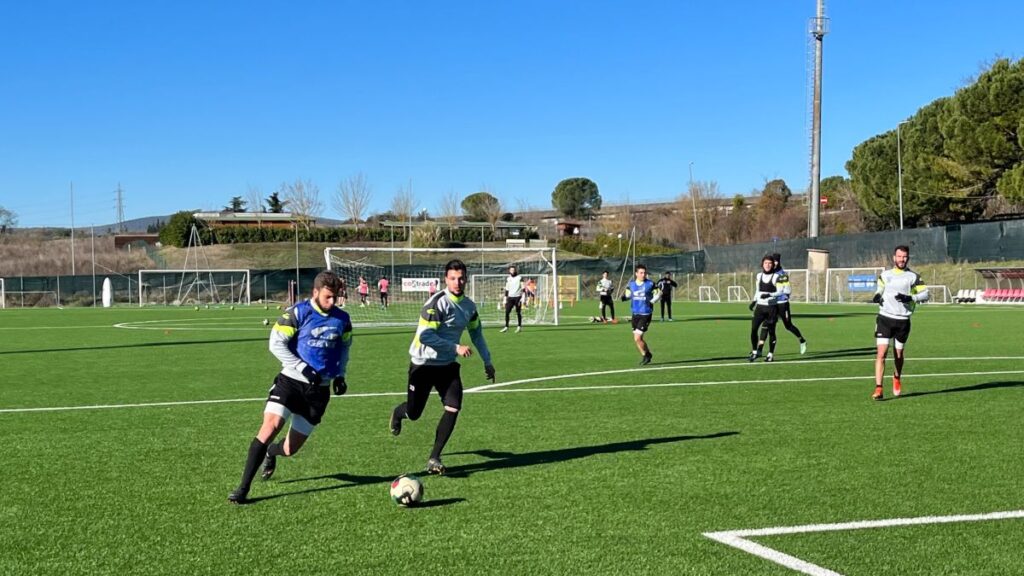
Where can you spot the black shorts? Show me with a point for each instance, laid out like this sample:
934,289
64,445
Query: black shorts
445,379
606,299
300,398
886,327
512,302
641,322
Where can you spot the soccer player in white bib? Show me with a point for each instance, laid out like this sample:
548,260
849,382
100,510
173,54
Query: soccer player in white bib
433,359
899,290
513,298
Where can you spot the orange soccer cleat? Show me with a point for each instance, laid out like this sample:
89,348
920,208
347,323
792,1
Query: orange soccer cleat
878,393
896,386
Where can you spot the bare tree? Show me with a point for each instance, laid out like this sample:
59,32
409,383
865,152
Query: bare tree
254,198
403,205
8,220
450,211
352,198
303,199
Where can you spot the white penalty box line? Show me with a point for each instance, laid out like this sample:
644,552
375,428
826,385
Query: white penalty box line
740,538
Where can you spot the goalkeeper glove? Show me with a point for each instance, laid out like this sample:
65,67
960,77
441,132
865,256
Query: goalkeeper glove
311,375
766,295
877,298
340,387
905,298
752,304
489,372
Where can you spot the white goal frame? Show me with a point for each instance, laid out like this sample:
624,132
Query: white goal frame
195,276
542,303
737,294
708,294
3,295
549,254
830,273
934,289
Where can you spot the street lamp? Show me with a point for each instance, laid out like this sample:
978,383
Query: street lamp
693,200
899,168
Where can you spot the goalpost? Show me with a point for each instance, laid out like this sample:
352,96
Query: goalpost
851,284
3,295
188,287
414,274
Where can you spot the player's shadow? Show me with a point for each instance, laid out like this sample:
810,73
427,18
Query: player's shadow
862,351
504,460
136,345
348,481
971,388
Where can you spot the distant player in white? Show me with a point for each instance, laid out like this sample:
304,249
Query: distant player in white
899,291
514,298
605,289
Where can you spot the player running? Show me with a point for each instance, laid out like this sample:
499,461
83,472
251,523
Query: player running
643,293
765,308
899,290
433,364
312,341
783,302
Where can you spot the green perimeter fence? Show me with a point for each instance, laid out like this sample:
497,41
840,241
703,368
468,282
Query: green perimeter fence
715,266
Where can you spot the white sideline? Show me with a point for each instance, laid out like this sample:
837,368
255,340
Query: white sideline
493,389
738,538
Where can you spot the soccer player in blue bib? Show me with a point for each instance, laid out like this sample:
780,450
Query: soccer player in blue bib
642,293
312,341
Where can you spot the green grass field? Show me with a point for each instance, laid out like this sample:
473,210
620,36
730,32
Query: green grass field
121,444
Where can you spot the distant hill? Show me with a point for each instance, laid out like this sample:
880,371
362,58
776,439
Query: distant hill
141,225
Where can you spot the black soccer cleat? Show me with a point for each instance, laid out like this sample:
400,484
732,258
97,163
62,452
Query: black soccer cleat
239,496
753,356
646,359
269,467
769,358
395,425
434,466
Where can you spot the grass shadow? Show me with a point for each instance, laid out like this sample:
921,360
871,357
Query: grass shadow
505,460
971,388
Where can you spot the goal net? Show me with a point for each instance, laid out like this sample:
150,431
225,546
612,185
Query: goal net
851,284
939,294
488,291
414,274
194,287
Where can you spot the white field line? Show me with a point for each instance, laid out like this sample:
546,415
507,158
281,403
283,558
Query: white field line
739,538
721,365
490,389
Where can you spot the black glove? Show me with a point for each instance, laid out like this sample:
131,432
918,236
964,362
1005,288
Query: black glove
340,387
489,372
623,297
752,304
877,298
766,294
905,298
311,375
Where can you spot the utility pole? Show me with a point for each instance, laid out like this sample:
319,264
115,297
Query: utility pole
120,208
72,229
819,27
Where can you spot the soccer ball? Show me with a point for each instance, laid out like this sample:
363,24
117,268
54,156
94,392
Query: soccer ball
232,307
266,322
406,490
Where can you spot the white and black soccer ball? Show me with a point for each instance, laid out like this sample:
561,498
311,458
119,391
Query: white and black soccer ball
406,490
266,322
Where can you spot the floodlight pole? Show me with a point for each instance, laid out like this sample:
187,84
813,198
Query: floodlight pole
693,200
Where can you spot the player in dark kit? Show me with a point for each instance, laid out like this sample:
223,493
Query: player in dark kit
783,303
312,341
433,353
765,308
666,284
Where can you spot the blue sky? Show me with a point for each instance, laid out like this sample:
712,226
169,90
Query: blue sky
186,104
